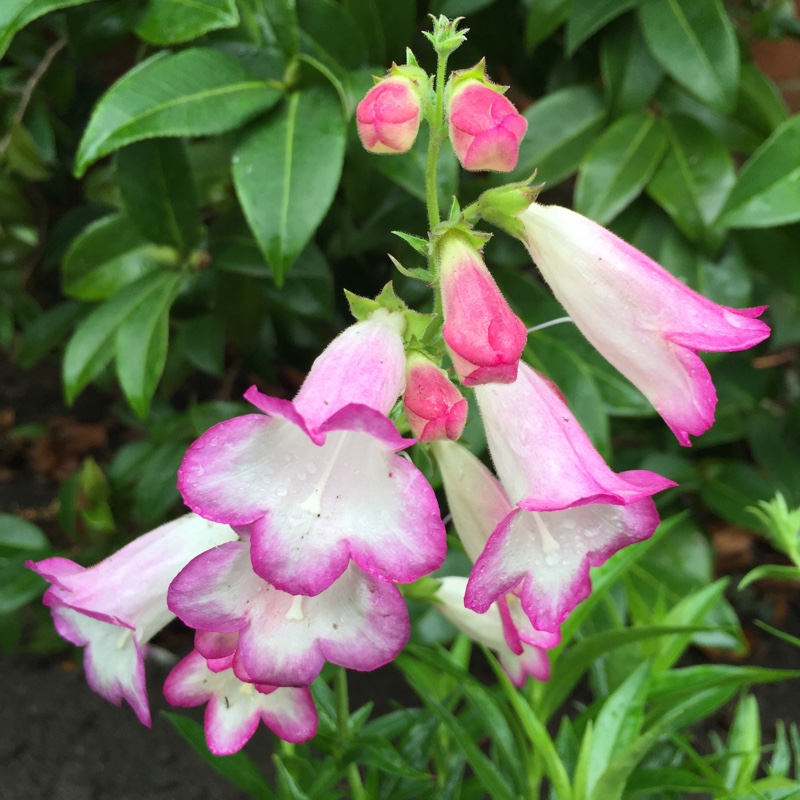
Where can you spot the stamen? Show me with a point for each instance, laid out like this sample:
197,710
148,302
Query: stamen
123,638
295,612
544,325
313,503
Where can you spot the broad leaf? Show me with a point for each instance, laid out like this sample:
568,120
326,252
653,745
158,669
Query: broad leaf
157,188
18,536
544,16
766,192
695,42
619,165
141,345
196,92
166,22
561,128
694,178
47,332
286,172
16,14
760,105
588,18
92,346
105,256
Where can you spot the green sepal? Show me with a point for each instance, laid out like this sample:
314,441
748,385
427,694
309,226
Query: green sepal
423,589
503,205
418,325
476,73
455,210
414,323
446,37
457,227
418,273
422,246
411,59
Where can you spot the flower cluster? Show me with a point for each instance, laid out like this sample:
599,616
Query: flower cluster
307,514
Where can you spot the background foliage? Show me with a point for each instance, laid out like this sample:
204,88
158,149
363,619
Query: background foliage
183,198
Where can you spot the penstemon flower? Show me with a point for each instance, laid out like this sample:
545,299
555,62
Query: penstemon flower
316,481
115,607
434,407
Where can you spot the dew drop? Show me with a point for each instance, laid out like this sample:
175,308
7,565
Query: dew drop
281,492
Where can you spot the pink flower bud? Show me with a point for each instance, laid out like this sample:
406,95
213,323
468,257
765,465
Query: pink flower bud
485,128
484,336
388,116
434,407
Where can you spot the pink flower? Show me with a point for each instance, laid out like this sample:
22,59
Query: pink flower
434,407
571,511
484,336
317,481
388,116
359,622
235,707
644,321
116,606
485,128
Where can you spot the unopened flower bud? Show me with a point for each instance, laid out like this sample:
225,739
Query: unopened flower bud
434,406
388,116
485,128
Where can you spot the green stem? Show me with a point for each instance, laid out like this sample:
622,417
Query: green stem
357,791
434,145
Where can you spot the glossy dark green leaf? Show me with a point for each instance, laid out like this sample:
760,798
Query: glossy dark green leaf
47,332
561,128
588,18
166,22
16,14
760,105
202,341
92,346
333,32
630,73
142,339
729,487
286,172
238,768
155,492
544,16
619,165
18,585
157,188
107,255
766,192
694,178
695,42
196,92
282,18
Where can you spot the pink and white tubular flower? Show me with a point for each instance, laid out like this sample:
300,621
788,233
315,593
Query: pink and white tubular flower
235,707
644,321
434,407
388,116
316,481
116,606
484,336
485,128
572,512
478,504
359,622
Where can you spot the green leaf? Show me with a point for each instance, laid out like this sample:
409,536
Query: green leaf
196,92
618,724
544,16
729,487
293,158
18,585
668,779
238,768
16,14
760,104
695,42
630,73
92,346
694,178
619,165
166,22
202,341
588,18
18,535
47,332
142,340
104,257
766,192
744,742
774,572
329,31
157,188
561,128
282,17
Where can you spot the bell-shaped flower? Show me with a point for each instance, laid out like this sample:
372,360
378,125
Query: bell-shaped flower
317,482
484,336
488,629
116,606
359,622
235,707
434,407
389,115
485,128
571,512
643,320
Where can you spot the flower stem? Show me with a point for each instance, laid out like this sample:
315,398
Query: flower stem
357,791
434,144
